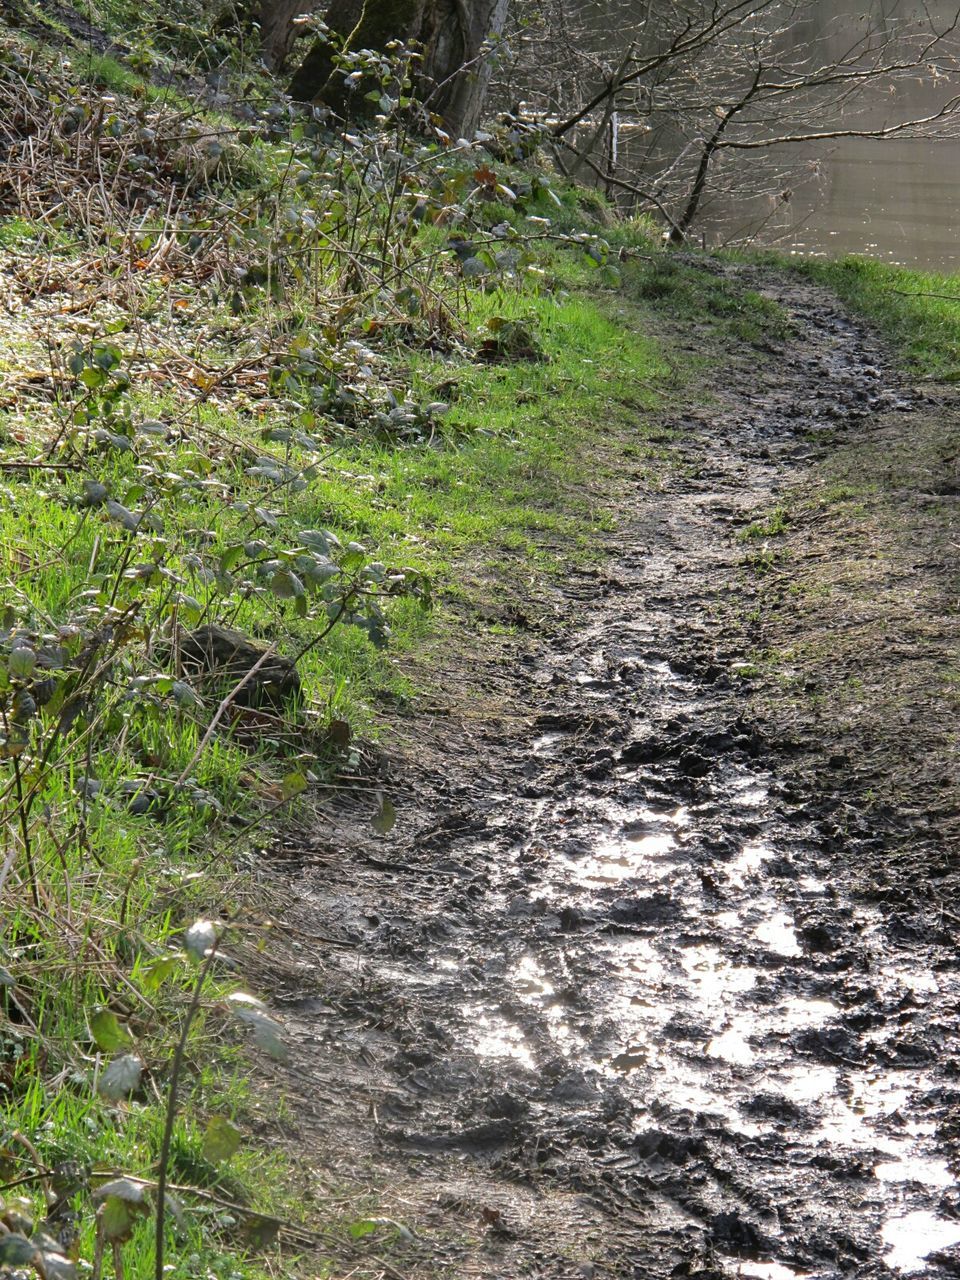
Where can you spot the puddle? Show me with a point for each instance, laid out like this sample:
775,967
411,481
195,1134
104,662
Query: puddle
808,1084
926,1170
777,933
797,1013
749,861
812,885
714,977
650,846
626,857
920,983
529,980
767,1271
883,1093
749,793
496,1038
638,958
731,1046
679,817
912,1237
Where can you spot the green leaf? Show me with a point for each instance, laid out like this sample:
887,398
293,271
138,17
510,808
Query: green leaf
122,515
106,356
16,1250
221,1140
184,695
158,973
260,1232
293,784
120,1078
93,379
232,556
21,662
266,1029
94,493
385,819
364,1227
122,1202
287,585
109,1033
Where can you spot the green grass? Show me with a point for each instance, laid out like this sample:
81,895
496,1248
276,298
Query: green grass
771,527
695,297
918,311
514,477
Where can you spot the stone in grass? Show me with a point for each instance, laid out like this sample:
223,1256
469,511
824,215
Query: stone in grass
230,655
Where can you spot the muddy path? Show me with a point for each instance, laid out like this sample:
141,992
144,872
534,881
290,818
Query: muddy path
610,1000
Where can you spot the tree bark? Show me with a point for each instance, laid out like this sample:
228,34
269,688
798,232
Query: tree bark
455,71
277,30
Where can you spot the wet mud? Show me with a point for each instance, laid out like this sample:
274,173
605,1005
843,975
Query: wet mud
609,1001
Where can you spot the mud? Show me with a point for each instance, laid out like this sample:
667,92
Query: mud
610,999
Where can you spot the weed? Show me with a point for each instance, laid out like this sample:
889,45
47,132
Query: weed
772,527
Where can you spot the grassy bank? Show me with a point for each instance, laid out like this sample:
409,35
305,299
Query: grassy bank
851,598
919,312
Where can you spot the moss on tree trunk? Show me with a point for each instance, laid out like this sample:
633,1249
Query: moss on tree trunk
355,24
452,33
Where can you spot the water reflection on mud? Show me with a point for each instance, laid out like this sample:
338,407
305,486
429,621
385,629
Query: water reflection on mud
707,1022
914,1236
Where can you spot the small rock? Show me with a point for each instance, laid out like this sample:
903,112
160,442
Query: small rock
220,651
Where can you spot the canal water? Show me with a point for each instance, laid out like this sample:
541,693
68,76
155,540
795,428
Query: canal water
895,199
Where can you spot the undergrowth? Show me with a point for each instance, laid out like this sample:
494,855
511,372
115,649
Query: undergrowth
273,390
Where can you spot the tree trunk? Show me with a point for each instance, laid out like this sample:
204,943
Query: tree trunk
277,30
453,33
455,75
354,24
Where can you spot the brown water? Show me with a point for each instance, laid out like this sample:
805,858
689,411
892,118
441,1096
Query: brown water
893,199
898,200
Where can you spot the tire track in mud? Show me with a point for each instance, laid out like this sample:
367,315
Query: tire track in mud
611,958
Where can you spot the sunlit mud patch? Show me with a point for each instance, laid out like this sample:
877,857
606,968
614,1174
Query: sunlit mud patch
529,980
732,1046
749,793
797,1012
491,1036
911,1238
778,934
747,864
924,1170
714,979
768,1271
627,857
